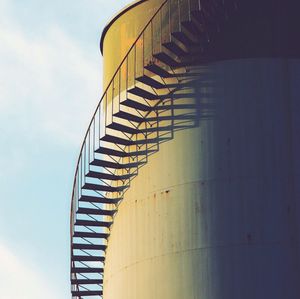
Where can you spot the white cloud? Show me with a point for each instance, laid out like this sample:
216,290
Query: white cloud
46,84
19,279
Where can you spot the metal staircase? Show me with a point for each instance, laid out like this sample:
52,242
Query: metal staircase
151,95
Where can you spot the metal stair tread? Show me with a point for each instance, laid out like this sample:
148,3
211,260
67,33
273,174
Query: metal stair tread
89,246
108,176
172,117
99,199
166,59
183,38
129,116
137,105
86,270
150,82
111,164
116,139
87,258
86,281
121,127
80,222
104,188
142,93
155,69
175,48
86,293
94,211
95,235
111,152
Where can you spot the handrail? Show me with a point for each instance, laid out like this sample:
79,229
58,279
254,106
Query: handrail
90,146
108,86
92,121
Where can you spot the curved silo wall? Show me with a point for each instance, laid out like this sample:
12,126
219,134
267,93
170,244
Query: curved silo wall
215,213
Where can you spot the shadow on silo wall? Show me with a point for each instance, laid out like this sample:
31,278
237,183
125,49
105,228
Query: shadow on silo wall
250,182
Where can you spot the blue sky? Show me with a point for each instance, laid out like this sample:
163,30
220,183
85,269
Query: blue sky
50,82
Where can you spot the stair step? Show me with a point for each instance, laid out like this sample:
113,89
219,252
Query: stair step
89,246
129,116
136,105
142,93
80,222
86,270
189,95
111,152
151,140
86,281
166,59
143,107
121,127
108,176
93,187
155,69
117,140
92,211
192,27
87,258
86,293
90,235
89,186
162,129
99,199
176,49
150,82
176,106
172,117
115,165
183,38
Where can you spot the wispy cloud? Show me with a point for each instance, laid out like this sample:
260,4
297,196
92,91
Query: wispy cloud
20,279
46,83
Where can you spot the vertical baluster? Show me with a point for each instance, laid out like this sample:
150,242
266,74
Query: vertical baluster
139,60
79,178
76,197
119,88
89,146
147,45
117,91
93,139
194,5
104,112
122,81
156,34
165,23
174,16
109,106
184,11
111,102
126,79
84,158
131,70
100,119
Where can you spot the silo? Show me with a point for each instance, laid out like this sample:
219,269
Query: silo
196,157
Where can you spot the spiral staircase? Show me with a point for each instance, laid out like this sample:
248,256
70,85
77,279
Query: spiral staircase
151,95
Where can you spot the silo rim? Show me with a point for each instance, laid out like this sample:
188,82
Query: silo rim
115,17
